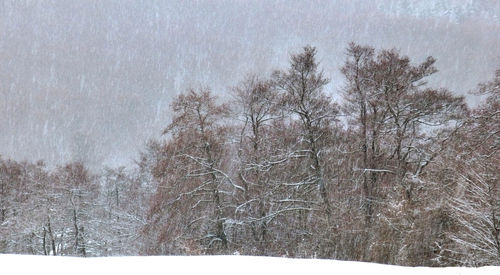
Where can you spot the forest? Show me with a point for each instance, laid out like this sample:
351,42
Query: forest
386,170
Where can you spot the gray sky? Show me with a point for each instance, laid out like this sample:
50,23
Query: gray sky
92,80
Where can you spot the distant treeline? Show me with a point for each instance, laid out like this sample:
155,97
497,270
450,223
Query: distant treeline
385,170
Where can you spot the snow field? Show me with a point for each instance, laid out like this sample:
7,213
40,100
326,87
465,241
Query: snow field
220,265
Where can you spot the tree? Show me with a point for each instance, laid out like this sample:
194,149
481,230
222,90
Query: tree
21,189
190,206
257,109
77,194
360,102
476,204
402,126
121,211
303,96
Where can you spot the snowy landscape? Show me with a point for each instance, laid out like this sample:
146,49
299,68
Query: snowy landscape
221,265
295,136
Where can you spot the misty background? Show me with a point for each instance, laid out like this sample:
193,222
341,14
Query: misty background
92,80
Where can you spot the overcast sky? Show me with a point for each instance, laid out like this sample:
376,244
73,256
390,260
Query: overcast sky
92,80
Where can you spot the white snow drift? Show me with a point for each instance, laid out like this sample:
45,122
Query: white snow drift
220,265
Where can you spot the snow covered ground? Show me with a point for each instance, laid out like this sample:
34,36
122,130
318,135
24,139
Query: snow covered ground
220,265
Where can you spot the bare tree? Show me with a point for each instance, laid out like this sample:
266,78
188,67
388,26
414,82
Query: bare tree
476,206
361,105
78,191
402,127
314,113
304,97
256,106
191,202
21,187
